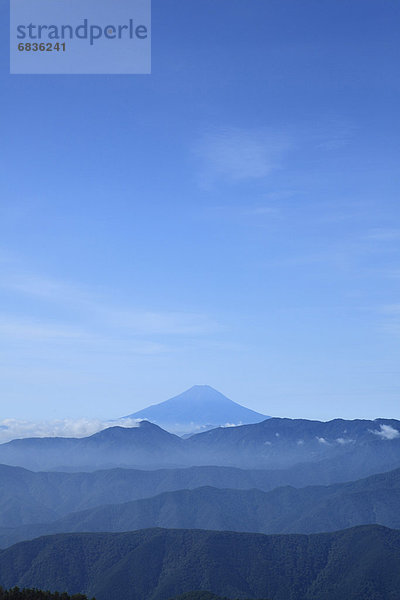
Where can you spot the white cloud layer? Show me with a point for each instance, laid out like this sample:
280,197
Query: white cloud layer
11,429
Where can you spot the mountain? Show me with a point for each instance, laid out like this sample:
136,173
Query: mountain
146,444
352,449
157,564
281,443
197,409
28,498
375,500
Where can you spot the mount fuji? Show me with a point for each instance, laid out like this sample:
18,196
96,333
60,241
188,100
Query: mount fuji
199,408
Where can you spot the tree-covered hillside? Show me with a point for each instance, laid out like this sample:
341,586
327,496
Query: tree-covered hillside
33,594
157,564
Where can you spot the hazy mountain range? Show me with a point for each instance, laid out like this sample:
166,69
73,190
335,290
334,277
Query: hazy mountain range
375,500
272,476
272,444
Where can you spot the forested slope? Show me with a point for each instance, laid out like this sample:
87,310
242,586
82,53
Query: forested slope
357,564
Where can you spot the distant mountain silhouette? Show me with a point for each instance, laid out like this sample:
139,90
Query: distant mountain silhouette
198,409
357,448
146,444
374,500
28,498
281,443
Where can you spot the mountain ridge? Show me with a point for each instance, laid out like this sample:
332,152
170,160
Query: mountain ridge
274,443
158,564
312,509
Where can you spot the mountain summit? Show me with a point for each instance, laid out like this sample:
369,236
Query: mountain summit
198,409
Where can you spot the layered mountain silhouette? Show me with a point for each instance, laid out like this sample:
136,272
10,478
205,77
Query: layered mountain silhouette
198,409
375,500
158,564
286,476
358,447
28,498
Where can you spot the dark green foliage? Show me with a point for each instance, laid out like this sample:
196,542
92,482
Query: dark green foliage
156,564
33,594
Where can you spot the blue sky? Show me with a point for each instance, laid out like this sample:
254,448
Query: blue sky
231,219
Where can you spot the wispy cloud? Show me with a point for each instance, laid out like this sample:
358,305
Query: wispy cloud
339,136
344,441
26,329
34,335
11,429
323,441
99,313
382,234
236,155
259,211
390,314
162,323
47,289
386,432
391,309
249,212
390,273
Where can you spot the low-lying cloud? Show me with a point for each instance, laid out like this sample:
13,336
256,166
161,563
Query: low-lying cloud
323,441
11,429
387,432
344,441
